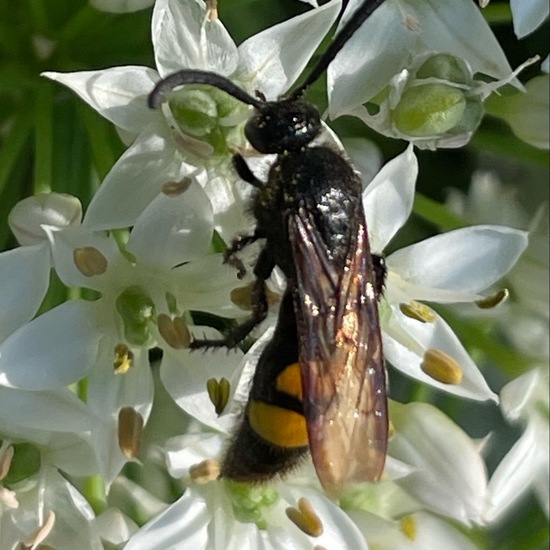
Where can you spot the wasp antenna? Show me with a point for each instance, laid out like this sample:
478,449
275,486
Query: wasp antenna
364,11
190,76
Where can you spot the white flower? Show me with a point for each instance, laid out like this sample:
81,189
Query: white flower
50,510
449,268
416,63
167,147
142,292
449,475
526,466
524,318
418,531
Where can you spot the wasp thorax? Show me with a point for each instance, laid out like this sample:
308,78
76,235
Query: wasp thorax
280,126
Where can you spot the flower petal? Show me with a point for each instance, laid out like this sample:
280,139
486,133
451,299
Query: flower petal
278,55
118,93
135,179
25,275
185,38
65,246
450,477
55,349
173,229
527,15
406,340
389,198
468,260
524,467
399,29
182,526
184,375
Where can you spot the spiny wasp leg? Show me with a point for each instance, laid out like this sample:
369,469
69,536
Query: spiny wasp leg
238,333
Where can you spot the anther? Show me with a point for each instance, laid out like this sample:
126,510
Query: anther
90,261
408,527
130,431
174,331
205,471
176,188
305,518
441,367
218,392
419,312
494,300
124,359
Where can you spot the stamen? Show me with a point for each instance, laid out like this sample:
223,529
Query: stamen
441,367
90,261
494,300
408,527
130,431
305,518
42,532
124,359
242,297
212,10
6,456
205,471
176,188
218,391
174,331
419,312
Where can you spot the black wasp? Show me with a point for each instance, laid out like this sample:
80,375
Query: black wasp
320,382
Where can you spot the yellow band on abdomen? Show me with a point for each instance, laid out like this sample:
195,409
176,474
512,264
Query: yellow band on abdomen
279,426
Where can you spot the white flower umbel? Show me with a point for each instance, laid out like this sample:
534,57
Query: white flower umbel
450,268
144,293
195,131
525,468
414,63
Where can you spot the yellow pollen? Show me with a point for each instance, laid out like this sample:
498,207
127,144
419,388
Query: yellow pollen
408,527
441,367
305,518
174,331
130,431
205,471
124,359
90,261
494,300
176,188
419,312
218,392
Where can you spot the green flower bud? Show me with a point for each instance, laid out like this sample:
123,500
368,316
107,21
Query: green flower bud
445,67
199,112
429,109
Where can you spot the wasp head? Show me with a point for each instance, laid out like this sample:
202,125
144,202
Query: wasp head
279,126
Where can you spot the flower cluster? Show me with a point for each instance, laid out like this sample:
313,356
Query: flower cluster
113,430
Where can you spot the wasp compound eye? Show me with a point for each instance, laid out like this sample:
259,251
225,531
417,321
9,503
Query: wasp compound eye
282,126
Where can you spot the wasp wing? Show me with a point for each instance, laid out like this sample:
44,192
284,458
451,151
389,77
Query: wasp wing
340,355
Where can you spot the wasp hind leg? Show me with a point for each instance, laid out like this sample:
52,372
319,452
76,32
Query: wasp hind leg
380,273
263,268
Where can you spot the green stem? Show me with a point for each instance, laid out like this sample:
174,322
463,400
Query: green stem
43,139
